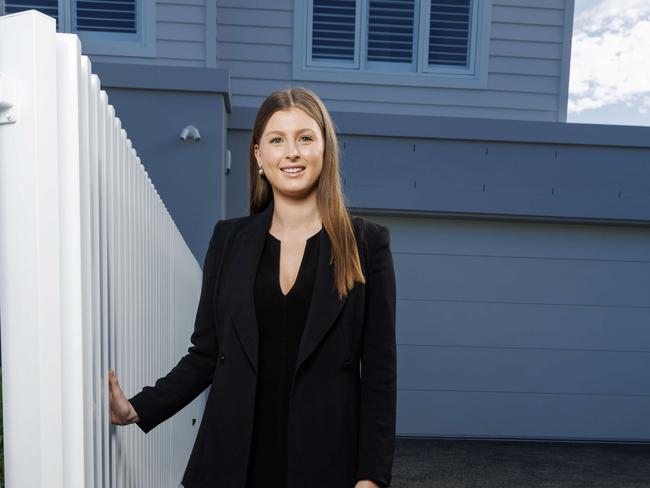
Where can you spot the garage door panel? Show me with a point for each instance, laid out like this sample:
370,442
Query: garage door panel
506,279
537,370
537,416
471,323
517,239
522,329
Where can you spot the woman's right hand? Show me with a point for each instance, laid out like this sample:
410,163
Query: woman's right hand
122,412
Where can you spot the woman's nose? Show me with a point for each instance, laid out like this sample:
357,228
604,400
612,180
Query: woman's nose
292,150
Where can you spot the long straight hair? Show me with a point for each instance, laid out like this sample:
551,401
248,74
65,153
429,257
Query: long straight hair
329,197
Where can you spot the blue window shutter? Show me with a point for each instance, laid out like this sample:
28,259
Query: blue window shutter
106,16
390,30
449,32
333,23
48,7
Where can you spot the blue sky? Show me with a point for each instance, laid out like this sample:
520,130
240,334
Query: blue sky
610,62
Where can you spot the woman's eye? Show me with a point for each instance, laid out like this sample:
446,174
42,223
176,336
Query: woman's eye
277,138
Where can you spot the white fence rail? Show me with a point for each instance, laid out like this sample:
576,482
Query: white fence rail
94,275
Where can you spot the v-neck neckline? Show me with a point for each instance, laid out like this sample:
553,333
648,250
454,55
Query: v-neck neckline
278,242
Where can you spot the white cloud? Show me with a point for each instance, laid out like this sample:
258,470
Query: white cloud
611,56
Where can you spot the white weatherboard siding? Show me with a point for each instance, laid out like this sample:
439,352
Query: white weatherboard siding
181,36
525,68
521,329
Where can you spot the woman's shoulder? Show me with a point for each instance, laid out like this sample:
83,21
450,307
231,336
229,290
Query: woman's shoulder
233,223
224,229
369,233
368,226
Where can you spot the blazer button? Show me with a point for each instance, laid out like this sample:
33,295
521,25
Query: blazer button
347,364
222,358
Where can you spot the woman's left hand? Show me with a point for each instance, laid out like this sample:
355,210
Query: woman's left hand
366,484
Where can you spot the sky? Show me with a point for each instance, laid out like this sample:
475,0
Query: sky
610,63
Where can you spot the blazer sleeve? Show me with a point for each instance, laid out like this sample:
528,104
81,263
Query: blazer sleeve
378,367
194,371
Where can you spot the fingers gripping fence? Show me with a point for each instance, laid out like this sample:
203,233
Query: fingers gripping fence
94,275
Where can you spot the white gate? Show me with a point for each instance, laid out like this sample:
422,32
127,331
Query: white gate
94,275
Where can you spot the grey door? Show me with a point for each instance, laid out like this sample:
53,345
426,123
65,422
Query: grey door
522,330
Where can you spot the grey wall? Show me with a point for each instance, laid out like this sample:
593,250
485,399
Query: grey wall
480,168
521,329
154,104
184,35
529,55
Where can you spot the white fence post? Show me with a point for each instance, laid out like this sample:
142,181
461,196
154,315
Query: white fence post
30,293
94,274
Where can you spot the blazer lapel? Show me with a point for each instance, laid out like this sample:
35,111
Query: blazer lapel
325,305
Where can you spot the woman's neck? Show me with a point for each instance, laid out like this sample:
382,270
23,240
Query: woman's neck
295,217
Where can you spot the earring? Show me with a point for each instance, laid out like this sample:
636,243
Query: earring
261,170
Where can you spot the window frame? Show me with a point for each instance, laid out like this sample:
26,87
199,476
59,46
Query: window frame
429,76
142,44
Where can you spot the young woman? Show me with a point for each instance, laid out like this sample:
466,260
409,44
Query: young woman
295,328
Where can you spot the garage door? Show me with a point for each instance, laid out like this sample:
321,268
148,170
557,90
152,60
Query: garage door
522,330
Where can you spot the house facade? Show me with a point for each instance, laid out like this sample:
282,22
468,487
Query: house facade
521,242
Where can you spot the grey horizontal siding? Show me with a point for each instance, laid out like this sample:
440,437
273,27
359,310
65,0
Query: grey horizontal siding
523,32
528,15
526,49
180,36
244,13
416,95
254,42
371,107
181,31
490,370
479,414
531,326
519,66
552,4
274,70
511,316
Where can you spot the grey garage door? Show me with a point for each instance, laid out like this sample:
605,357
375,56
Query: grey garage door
522,330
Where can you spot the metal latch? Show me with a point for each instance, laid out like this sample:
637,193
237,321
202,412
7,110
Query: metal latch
7,99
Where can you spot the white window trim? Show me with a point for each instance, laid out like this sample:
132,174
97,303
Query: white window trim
109,43
449,77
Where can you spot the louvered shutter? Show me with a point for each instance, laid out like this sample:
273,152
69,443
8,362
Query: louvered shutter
48,7
106,16
333,29
390,30
449,34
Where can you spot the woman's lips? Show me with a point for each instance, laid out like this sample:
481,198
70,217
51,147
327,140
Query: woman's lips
293,173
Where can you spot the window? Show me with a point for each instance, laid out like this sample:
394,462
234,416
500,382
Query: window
48,7
419,42
117,27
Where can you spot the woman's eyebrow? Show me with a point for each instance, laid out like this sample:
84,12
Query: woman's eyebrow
280,132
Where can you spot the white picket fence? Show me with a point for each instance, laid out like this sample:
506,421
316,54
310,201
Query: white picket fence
94,275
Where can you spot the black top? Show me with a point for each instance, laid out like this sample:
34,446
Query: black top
280,320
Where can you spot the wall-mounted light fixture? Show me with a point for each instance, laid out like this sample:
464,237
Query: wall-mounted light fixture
190,133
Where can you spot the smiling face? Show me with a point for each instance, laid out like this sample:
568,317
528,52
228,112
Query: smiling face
291,139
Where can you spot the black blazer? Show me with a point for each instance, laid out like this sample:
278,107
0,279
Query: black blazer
343,396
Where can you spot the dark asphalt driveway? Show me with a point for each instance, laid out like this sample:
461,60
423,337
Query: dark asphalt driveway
421,463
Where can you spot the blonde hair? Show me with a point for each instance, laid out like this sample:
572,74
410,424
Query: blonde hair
329,197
